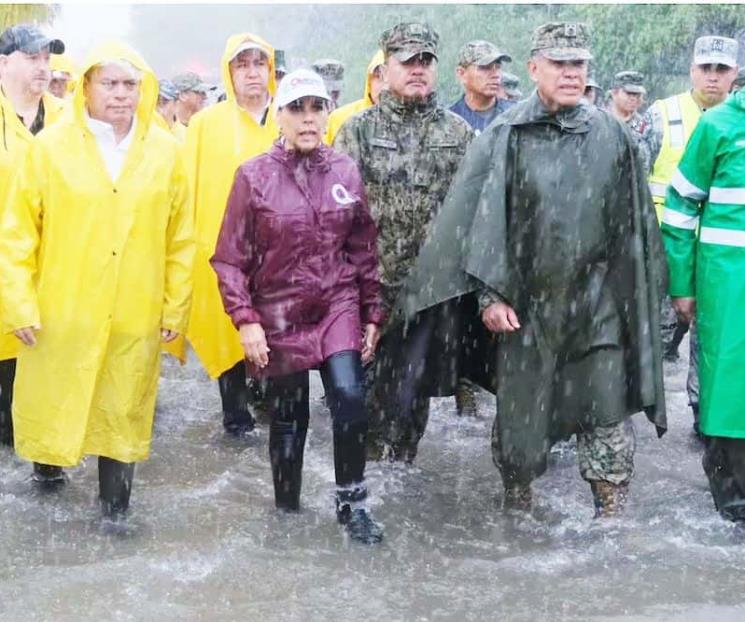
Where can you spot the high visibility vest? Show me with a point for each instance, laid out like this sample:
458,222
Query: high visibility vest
680,115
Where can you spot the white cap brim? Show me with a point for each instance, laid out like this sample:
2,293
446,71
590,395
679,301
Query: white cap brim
715,59
249,45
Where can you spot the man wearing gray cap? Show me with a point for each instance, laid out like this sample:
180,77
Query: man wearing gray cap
165,114
510,88
593,91
713,70
26,108
332,72
192,95
627,95
408,149
549,219
479,70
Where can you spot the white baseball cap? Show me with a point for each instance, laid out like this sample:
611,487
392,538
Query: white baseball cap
300,83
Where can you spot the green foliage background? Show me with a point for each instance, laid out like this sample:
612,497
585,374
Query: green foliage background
11,14
654,39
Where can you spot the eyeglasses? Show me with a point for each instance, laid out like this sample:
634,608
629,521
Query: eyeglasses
110,85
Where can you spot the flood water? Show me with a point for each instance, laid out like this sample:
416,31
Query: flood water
203,541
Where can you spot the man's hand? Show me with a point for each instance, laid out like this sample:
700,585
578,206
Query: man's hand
26,334
168,335
500,318
254,345
370,342
685,308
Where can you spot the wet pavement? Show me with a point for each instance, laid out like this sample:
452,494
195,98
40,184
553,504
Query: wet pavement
203,541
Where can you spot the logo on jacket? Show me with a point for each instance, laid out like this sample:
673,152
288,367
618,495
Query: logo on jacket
341,195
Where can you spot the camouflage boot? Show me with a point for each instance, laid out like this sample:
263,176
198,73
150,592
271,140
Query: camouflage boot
517,497
609,499
465,399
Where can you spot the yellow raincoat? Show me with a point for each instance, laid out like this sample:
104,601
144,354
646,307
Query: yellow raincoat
339,116
219,139
101,266
14,142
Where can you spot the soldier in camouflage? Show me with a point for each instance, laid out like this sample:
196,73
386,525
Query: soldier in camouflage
408,149
627,95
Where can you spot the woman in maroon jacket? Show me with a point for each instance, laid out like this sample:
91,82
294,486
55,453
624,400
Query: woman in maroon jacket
296,263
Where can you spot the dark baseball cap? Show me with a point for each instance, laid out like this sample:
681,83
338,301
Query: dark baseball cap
629,81
29,39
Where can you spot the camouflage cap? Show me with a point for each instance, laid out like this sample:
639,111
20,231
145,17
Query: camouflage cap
562,41
189,81
511,84
592,83
332,72
167,90
29,39
404,41
715,51
629,81
481,53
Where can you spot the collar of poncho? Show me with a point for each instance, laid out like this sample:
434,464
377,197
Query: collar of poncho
533,111
409,111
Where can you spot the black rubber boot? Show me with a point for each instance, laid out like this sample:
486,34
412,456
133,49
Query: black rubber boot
48,475
286,447
356,519
115,486
237,418
7,376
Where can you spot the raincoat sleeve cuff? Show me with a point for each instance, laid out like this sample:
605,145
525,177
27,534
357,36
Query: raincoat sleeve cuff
374,314
245,315
488,297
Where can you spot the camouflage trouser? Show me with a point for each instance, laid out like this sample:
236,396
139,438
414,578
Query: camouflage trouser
607,453
668,322
692,382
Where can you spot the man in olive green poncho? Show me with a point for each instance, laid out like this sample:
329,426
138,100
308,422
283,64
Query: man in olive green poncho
550,219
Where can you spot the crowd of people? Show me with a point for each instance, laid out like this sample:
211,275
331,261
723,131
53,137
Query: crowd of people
552,249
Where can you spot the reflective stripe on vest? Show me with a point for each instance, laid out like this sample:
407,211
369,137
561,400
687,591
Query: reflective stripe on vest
681,112
725,237
658,190
675,123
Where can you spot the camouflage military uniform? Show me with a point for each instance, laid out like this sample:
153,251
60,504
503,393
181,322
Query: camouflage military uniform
642,128
408,154
646,139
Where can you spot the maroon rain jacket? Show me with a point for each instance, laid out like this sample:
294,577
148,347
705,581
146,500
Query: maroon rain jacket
297,253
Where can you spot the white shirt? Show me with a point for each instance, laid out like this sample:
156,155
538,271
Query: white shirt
113,154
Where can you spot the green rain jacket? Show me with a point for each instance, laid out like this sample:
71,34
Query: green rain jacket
703,227
476,243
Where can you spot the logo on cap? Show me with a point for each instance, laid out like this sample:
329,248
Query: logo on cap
570,30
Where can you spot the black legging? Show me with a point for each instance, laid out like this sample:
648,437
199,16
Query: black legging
234,396
288,397
7,376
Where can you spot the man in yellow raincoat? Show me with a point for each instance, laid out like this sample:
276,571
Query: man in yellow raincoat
96,253
26,108
64,75
219,139
374,83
